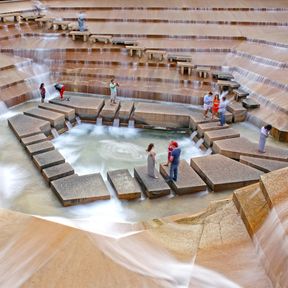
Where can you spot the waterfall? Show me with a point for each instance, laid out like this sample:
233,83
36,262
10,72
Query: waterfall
54,133
3,108
99,121
131,124
208,151
193,135
116,122
78,120
68,124
199,142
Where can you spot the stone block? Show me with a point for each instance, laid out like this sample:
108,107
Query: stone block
265,165
85,107
188,180
161,115
211,126
48,159
56,120
238,111
222,173
235,147
25,126
252,207
124,184
197,118
125,111
274,186
228,117
57,171
41,147
109,110
73,190
250,103
68,112
214,135
152,187
34,139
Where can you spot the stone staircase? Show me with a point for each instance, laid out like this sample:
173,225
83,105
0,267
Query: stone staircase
263,208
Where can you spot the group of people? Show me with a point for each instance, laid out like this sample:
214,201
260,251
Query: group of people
59,87
215,105
174,152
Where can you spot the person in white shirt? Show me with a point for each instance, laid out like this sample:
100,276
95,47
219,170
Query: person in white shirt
208,100
222,109
264,133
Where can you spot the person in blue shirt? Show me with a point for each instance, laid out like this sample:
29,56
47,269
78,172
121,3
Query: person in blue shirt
174,161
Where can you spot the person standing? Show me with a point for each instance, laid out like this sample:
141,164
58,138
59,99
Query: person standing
81,21
61,89
264,133
113,91
151,160
208,98
174,160
170,149
215,107
42,92
222,110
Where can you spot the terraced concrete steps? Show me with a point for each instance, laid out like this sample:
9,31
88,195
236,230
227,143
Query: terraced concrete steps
265,165
25,126
236,147
211,126
74,189
56,120
211,136
41,147
109,110
125,111
188,180
85,107
68,112
125,186
153,188
34,139
57,171
48,159
221,173
197,118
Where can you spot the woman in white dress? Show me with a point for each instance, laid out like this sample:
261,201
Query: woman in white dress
151,160
264,133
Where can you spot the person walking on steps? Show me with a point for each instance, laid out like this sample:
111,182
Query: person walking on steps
222,110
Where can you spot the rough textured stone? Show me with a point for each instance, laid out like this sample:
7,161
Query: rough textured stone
235,147
160,115
34,139
41,147
126,109
75,189
238,111
56,119
109,110
265,165
252,207
68,112
250,103
57,171
48,159
188,180
201,128
197,118
228,117
274,186
125,185
85,107
221,173
152,187
211,136
25,126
